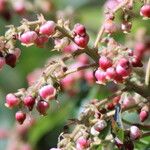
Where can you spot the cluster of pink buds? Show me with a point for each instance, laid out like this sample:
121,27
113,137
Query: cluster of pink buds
44,95
110,71
39,37
81,38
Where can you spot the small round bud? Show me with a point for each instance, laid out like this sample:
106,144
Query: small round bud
48,28
145,11
29,102
81,41
42,107
20,116
79,29
28,37
135,132
11,60
82,143
47,92
11,100
143,115
100,76
104,62
111,73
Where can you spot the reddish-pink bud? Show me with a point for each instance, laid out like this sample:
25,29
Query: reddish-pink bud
41,40
47,92
145,11
136,61
28,37
135,132
82,143
81,41
143,115
100,76
104,62
110,106
11,60
11,100
19,7
48,28
79,29
42,107
122,71
20,116
111,73
29,102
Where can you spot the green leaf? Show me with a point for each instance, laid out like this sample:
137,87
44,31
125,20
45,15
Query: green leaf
118,132
46,124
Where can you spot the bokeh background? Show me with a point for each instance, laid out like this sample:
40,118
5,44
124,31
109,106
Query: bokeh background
44,134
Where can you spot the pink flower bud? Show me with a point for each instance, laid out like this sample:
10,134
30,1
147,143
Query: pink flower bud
41,40
143,115
11,100
47,92
122,71
42,107
111,73
81,41
19,7
100,76
104,62
100,125
110,26
28,37
82,143
48,28
110,106
145,11
79,29
29,102
135,132
11,60
2,62
136,61
20,116
128,101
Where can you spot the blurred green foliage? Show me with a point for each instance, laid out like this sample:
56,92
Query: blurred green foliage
45,133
